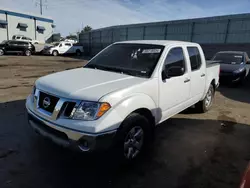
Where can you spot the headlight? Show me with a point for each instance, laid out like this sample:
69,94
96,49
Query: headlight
239,70
33,90
90,110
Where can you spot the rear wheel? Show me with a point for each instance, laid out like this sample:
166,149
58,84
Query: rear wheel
27,52
1,52
133,137
206,104
55,53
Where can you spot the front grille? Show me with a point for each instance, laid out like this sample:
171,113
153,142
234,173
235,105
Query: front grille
47,102
69,108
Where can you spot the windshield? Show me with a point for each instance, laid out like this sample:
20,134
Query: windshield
229,58
133,59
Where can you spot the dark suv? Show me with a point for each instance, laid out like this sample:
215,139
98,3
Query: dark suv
14,46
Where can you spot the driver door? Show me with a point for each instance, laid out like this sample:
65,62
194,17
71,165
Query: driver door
174,91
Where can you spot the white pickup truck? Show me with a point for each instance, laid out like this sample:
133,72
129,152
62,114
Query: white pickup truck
64,48
121,95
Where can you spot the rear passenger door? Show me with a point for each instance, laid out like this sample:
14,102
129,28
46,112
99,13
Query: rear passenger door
198,76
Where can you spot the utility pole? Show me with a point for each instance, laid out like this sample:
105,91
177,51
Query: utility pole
41,7
41,4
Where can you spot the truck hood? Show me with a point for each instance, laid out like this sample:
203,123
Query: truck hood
85,84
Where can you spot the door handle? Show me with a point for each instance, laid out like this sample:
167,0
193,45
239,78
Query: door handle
187,80
203,75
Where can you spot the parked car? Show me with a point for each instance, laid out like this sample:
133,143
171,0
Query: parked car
13,46
64,48
24,38
233,67
121,95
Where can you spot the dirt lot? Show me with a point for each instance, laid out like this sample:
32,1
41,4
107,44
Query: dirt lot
189,150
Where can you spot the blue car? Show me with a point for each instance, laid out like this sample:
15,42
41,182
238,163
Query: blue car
233,66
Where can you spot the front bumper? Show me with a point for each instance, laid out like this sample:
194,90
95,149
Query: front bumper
232,77
62,136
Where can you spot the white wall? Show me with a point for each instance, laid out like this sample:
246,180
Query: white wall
42,37
14,30
3,31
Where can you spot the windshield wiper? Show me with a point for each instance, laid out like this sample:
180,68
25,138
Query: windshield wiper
114,69
105,68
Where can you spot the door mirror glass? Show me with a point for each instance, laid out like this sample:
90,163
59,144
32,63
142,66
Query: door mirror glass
175,71
172,71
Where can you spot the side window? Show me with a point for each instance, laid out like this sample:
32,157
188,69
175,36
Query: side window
175,57
67,44
195,58
12,43
18,37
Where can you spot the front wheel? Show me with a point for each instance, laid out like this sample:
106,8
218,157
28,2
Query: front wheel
55,53
1,52
133,137
27,52
206,104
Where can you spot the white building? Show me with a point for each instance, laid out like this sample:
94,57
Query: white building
15,23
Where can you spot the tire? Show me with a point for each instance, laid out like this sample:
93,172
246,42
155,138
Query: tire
206,104
55,53
27,52
78,53
1,52
133,137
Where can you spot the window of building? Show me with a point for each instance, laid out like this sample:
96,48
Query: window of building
195,58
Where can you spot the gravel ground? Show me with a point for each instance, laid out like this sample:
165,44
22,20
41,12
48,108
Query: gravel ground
190,150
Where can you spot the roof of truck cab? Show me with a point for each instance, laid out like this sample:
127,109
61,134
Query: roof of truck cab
157,42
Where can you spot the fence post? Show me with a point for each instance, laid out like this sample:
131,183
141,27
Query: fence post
90,45
192,31
227,30
166,32
144,33
112,36
126,33
101,45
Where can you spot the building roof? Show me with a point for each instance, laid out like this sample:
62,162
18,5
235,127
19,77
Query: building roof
157,42
26,15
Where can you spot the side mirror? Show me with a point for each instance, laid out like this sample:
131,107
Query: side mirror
172,72
248,61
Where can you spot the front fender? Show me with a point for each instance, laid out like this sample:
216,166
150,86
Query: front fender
113,119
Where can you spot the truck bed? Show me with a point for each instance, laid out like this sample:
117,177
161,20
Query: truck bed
211,63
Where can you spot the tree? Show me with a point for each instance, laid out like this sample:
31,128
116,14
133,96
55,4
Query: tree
87,28
70,36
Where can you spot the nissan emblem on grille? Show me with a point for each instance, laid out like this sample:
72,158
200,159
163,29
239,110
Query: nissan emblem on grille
46,102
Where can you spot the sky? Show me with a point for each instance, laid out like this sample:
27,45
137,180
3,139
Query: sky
71,16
